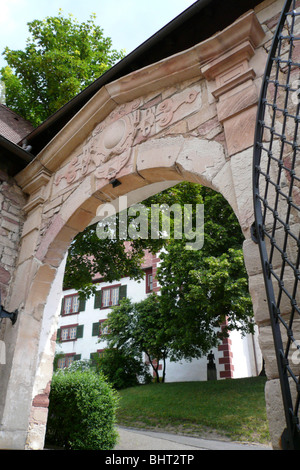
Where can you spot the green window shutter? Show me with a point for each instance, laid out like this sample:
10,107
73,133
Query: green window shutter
122,293
58,335
62,306
81,305
98,299
93,358
96,329
77,357
79,333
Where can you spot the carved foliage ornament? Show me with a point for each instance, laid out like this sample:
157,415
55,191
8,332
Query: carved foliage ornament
108,148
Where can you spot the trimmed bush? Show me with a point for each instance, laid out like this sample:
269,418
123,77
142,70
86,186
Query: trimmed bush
82,411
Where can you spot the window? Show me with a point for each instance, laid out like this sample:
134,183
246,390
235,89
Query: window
149,280
96,355
67,360
110,296
70,333
99,329
103,328
100,352
71,304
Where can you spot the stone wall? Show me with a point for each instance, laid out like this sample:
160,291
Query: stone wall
11,221
12,201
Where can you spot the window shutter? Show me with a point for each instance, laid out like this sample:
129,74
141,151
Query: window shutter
96,329
58,334
122,293
81,305
93,358
98,299
62,306
79,333
77,357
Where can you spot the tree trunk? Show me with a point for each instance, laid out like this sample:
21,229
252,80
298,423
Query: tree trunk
164,370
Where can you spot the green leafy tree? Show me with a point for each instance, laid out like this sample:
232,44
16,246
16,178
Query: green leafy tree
204,293
61,58
90,256
203,299
180,269
139,328
122,368
205,290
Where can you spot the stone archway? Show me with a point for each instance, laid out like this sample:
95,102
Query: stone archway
189,117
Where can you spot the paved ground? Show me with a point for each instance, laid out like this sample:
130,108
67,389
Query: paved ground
133,439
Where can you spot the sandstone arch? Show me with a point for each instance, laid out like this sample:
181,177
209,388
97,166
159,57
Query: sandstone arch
188,117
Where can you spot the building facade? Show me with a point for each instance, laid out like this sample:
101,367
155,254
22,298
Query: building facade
80,334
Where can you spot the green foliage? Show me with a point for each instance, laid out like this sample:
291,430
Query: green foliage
200,289
122,369
139,328
61,58
88,256
199,293
82,411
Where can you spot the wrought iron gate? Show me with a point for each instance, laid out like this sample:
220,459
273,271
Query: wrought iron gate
276,188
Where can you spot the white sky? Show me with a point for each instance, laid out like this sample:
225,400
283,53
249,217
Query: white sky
127,22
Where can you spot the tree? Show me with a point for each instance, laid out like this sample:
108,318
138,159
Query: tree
121,368
204,293
203,290
139,328
90,256
183,273
203,298
60,59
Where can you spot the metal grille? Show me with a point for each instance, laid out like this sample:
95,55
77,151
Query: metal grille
276,186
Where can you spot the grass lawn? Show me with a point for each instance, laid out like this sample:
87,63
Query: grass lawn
233,409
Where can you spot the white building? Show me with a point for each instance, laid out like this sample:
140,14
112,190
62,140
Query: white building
80,335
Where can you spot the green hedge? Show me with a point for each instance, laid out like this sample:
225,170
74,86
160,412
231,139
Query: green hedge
82,411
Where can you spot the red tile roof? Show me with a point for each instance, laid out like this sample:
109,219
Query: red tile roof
12,126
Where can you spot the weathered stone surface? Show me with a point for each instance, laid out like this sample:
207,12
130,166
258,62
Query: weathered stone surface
4,276
239,131
235,103
202,158
259,299
241,168
252,257
275,410
11,222
223,183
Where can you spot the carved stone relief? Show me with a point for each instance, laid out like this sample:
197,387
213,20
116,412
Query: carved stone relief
108,148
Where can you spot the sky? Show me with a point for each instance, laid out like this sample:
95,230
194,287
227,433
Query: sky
127,22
